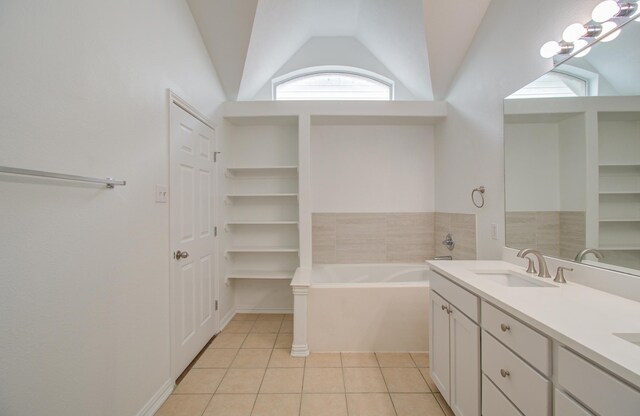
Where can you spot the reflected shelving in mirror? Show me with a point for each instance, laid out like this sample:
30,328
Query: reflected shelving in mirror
572,163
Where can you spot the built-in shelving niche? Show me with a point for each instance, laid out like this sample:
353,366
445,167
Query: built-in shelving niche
261,198
619,187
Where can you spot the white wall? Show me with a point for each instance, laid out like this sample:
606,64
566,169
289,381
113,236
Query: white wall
531,167
267,296
372,169
84,316
469,146
572,163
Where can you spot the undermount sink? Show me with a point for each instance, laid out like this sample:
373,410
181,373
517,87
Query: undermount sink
511,278
633,338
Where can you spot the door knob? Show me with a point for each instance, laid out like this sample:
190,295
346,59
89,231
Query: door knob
180,255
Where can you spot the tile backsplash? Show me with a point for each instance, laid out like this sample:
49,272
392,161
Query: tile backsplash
555,233
390,237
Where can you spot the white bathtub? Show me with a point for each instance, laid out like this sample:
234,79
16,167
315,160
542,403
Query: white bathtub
366,274
368,307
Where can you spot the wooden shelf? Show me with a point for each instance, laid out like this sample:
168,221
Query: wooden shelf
619,192
262,275
619,165
620,220
620,248
261,195
262,171
233,223
263,250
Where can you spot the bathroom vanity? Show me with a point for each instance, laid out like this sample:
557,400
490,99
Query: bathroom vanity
505,342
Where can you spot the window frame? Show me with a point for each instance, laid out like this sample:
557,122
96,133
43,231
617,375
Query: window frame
331,69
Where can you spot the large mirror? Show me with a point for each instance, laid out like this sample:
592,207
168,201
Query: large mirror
572,158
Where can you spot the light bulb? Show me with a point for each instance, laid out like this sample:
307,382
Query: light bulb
584,53
579,44
607,34
605,11
574,32
550,49
611,36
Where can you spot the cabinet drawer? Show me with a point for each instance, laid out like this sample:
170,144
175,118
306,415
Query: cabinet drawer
493,401
466,302
534,347
565,406
527,389
600,391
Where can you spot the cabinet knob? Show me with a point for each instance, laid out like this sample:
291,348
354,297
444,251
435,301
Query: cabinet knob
505,327
446,309
504,373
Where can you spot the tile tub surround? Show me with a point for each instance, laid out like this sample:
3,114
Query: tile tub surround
463,229
336,384
555,233
344,238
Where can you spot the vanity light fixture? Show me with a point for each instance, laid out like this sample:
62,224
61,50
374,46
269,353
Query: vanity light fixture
608,18
576,31
609,9
553,48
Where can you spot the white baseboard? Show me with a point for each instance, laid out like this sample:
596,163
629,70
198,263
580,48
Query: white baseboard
254,309
158,399
226,319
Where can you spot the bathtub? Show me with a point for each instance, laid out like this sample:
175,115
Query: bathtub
368,307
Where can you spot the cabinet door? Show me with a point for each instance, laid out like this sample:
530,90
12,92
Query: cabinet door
439,344
465,365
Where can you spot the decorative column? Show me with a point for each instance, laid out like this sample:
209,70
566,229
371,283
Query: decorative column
300,288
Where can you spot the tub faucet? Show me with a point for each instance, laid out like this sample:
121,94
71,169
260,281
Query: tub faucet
586,251
542,264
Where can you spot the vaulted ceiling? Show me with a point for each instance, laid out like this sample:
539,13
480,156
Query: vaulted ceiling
420,42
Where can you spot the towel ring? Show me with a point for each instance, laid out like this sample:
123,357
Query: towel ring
480,190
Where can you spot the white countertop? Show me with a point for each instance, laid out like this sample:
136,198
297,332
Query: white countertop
582,318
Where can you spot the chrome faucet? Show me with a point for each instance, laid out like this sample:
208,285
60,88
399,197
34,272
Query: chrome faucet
586,251
542,264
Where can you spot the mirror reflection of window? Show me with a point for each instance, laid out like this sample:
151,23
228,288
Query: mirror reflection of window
552,85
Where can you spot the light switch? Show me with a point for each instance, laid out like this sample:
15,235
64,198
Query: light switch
494,231
162,195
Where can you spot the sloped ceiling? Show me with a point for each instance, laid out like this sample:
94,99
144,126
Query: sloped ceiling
450,27
225,27
422,42
618,61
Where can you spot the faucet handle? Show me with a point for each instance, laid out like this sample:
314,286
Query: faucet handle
531,268
560,274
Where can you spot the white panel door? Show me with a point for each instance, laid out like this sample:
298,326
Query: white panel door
193,246
465,364
439,344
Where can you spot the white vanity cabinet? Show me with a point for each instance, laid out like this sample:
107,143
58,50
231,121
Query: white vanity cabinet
528,367
597,389
517,359
454,338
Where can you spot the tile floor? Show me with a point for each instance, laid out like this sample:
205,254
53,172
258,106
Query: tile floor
248,371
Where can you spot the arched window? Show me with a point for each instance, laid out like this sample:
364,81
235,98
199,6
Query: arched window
555,84
332,83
